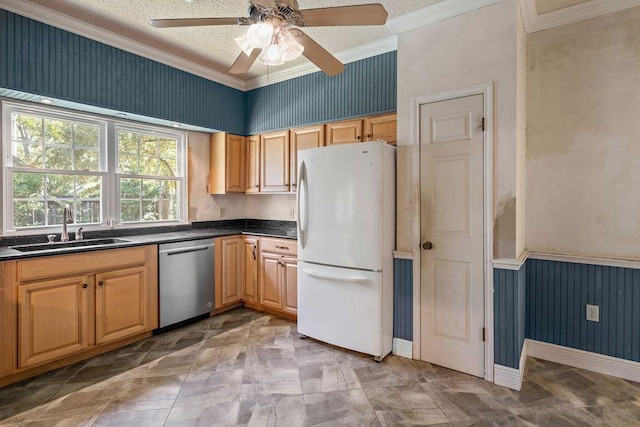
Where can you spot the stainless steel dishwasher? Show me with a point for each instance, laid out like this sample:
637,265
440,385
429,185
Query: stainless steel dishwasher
186,280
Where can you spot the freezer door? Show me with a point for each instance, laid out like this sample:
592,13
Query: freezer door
341,306
339,206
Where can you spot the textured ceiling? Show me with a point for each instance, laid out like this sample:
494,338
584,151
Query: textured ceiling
214,46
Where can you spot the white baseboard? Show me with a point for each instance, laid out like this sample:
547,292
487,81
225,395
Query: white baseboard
511,377
403,348
608,365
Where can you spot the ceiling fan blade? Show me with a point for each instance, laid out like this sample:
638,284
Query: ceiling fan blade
366,14
192,22
266,3
315,53
244,62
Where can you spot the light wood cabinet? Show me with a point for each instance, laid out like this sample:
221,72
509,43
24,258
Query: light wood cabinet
250,269
54,319
274,162
302,139
344,132
228,284
278,276
122,304
382,127
368,129
252,164
226,174
60,309
270,281
290,285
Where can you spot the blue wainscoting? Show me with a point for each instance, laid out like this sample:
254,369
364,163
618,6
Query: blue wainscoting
365,87
403,299
557,295
509,305
44,60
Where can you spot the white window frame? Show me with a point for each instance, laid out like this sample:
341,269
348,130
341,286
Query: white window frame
110,201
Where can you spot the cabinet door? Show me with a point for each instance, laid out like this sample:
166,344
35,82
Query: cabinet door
235,159
122,304
252,164
290,285
270,294
382,127
250,272
343,132
53,319
302,139
274,162
231,286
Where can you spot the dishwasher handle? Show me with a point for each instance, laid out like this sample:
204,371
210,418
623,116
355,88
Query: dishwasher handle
185,250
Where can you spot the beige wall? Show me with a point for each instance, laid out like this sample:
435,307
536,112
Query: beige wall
474,48
583,139
205,207
521,138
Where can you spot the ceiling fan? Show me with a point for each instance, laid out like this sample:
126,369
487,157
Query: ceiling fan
274,34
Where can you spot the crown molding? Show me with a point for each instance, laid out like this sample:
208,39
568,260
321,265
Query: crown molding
590,9
377,47
434,13
85,29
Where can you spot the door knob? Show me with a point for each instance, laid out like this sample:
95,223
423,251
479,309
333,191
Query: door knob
427,245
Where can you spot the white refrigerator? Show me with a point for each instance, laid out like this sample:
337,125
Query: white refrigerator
346,237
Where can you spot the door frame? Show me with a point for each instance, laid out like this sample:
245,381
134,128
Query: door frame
486,89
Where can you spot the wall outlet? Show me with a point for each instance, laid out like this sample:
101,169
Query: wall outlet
220,212
292,213
593,313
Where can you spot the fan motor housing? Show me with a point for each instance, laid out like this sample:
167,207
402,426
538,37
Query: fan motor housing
287,11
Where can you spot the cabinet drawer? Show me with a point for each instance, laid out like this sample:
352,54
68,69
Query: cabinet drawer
279,246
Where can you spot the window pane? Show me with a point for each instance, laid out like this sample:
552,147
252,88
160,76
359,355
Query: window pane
168,209
88,211
55,209
128,163
150,210
130,210
57,132
60,186
58,157
88,187
28,185
85,135
28,213
25,154
168,167
127,142
168,149
130,188
148,146
149,165
26,128
87,159
150,189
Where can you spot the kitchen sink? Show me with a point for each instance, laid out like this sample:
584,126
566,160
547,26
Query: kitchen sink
67,245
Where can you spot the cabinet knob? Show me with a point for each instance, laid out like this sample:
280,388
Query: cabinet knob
368,137
358,137
85,286
101,283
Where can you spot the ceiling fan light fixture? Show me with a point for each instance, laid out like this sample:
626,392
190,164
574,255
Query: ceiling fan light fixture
243,42
290,49
271,55
260,34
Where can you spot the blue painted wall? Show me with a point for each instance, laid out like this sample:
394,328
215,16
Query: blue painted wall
403,299
557,294
44,60
365,87
509,305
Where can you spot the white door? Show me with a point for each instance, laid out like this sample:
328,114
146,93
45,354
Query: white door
452,234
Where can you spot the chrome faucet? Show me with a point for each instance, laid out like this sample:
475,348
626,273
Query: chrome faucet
67,218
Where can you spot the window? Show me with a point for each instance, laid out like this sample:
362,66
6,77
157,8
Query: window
55,158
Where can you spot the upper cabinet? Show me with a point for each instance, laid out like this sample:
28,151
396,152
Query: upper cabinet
226,174
344,132
274,162
302,139
382,127
253,163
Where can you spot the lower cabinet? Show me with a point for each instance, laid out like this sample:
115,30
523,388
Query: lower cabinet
250,269
278,285
228,284
270,281
290,286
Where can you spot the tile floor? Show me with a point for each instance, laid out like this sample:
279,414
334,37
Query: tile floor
248,368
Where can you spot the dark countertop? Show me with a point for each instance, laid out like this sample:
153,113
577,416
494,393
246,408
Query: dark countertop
149,236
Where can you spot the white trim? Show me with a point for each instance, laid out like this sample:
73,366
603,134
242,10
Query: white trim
402,348
358,53
485,89
402,255
534,22
595,362
511,264
434,13
77,26
507,377
610,262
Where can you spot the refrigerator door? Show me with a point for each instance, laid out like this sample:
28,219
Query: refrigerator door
341,306
339,205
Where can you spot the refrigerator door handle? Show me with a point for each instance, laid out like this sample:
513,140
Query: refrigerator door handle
304,204
334,278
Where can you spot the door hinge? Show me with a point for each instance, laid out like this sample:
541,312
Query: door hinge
484,334
483,124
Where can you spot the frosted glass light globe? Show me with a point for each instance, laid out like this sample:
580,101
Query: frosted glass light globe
289,47
260,34
271,55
